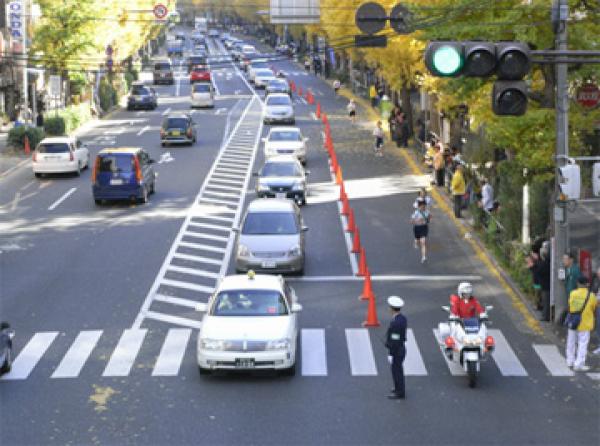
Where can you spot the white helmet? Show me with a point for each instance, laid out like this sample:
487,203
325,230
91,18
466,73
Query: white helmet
465,289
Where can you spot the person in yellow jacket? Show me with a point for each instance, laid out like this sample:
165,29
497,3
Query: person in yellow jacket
577,340
458,187
373,95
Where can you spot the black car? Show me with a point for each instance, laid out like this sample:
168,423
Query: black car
142,96
282,176
178,128
278,86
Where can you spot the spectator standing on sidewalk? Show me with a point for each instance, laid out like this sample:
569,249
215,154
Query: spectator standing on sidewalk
572,272
458,188
439,165
487,195
351,108
420,220
378,134
373,95
544,278
336,86
580,300
596,290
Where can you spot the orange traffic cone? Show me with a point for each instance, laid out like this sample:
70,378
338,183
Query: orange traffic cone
325,120
356,241
362,263
299,91
367,292
345,205
342,192
311,98
26,145
318,112
371,320
292,86
338,175
351,227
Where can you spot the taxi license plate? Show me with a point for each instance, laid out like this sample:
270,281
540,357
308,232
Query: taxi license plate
116,182
280,195
244,363
176,133
269,264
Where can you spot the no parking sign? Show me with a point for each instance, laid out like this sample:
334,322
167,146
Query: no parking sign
160,11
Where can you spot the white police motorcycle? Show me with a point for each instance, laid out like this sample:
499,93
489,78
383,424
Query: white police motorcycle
6,335
466,341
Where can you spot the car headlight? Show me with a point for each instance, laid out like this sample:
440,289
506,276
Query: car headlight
212,344
295,251
298,186
279,344
243,251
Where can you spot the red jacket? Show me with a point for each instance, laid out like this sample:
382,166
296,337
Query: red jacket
465,310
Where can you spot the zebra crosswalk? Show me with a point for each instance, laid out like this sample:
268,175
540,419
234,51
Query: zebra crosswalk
165,352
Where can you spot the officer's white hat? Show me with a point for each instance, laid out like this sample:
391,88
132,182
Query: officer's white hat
395,302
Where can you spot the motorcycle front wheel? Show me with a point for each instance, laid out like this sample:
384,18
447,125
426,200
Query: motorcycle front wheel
472,373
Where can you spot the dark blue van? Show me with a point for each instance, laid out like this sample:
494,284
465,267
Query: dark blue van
123,174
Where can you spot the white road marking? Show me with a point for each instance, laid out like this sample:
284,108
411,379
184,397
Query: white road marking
15,201
362,361
74,360
553,360
209,226
176,300
172,352
199,259
205,236
61,199
454,367
314,352
178,83
166,112
175,320
28,358
413,363
594,375
193,271
124,355
202,247
220,110
187,285
145,129
165,158
505,357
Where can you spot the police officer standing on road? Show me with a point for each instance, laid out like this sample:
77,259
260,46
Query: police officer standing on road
395,339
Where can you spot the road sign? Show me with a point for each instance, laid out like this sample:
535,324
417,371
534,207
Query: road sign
370,18
588,95
160,11
55,86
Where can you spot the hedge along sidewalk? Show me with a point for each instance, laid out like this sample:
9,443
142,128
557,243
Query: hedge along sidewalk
517,299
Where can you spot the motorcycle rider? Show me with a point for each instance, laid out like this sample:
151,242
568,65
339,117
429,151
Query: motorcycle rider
465,305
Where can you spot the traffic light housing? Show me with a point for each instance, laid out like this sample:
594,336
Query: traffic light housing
570,182
509,61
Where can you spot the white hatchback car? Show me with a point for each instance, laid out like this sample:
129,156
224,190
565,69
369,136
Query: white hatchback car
285,141
250,323
61,154
262,76
278,108
203,95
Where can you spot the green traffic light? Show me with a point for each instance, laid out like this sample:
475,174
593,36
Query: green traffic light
447,60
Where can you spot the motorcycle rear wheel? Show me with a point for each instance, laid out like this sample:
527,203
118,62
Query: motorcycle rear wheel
472,373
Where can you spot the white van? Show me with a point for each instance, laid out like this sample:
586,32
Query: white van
203,95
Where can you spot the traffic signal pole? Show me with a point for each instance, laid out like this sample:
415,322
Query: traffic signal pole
560,218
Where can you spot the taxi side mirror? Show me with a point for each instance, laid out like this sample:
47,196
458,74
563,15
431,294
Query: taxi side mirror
296,308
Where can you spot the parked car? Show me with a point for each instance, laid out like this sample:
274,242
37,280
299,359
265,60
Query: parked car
200,73
142,96
163,72
278,108
178,129
250,323
62,154
262,77
271,237
278,86
285,141
282,176
123,174
203,95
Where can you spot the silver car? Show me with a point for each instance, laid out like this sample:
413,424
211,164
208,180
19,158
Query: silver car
282,177
278,108
271,238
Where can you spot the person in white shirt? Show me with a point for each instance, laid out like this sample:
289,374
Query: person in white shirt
336,86
423,195
487,196
378,134
420,220
351,108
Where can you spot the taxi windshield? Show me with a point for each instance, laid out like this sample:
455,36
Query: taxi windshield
249,303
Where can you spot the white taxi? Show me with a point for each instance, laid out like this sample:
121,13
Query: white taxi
250,323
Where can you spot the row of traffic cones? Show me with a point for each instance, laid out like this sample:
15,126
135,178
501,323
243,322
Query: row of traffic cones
346,210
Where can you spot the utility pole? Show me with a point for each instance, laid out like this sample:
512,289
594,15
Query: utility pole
561,225
25,5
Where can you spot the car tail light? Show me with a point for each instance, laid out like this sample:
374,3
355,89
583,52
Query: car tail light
71,157
189,133
450,343
95,170
489,343
162,132
138,170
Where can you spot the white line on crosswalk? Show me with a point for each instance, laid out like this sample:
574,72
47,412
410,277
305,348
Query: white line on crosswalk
202,247
227,220
172,352
553,360
78,354
413,363
454,367
200,259
187,285
362,361
175,320
314,352
193,271
209,226
176,300
124,355
216,238
30,355
505,357
235,196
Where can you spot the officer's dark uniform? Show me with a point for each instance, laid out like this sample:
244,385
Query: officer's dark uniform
395,339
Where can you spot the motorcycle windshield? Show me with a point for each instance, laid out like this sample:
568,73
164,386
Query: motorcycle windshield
471,325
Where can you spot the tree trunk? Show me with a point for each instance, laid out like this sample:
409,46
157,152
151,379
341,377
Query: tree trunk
407,108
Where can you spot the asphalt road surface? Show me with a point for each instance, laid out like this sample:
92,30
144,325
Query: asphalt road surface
95,293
